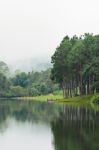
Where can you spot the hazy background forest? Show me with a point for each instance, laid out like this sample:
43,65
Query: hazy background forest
32,83
74,69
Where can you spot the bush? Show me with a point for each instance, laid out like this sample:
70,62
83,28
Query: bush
95,99
33,92
16,91
58,92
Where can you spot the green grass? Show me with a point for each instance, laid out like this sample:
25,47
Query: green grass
58,92
44,97
85,101
78,101
59,98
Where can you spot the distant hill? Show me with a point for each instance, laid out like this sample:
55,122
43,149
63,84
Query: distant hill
29,64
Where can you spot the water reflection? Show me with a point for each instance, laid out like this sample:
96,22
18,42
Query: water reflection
41,125
28,111
27,136
76,129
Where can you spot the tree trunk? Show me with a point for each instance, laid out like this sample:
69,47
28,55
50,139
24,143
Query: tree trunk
97,90
88,82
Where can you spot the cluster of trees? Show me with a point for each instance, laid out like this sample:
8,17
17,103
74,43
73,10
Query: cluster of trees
25,84
4,82
76,65
32,83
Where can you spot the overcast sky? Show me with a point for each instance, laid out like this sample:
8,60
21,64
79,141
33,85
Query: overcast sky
35,27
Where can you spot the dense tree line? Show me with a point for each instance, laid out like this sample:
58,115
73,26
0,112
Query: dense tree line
25,84
32,83
4,82
76,65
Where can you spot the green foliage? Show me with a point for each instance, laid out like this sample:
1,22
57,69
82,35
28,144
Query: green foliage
33,92
20,79
27,84
16,91
60,60
95,99
58,92
76,65
4,68
4,84
75,71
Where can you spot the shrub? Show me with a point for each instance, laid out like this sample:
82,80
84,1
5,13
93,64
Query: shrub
95,99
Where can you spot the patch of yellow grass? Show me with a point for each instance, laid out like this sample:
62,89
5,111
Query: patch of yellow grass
44,97
59,98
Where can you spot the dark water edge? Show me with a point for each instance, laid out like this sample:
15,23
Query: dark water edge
64,127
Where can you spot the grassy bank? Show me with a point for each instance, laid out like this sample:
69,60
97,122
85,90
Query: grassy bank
75,101
84,101
49,97
59,98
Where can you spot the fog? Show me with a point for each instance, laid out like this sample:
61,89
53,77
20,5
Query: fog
34,28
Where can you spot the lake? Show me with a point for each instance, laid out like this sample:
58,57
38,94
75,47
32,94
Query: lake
47,126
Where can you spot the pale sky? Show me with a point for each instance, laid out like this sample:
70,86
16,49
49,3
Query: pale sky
35,27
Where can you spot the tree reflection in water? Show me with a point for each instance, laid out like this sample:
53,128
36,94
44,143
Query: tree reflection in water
73,128
76,129
28,111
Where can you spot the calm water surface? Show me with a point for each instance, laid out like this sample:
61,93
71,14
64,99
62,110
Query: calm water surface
47,126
